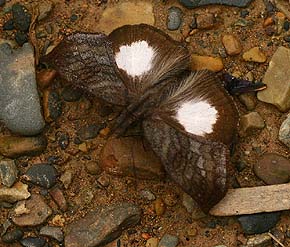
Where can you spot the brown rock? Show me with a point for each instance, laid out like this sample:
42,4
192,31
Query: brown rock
102,225
130,156
13,147
231,44
205,21
250,122
249,100
159,207
206,62
57,195
93,168
31,212
254,55
16,193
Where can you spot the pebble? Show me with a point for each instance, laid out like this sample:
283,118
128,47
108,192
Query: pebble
206,62
174,18
159,207
16,193
13,146
89,131
44,9
8,25
259,240
58,196
148,195
21,17
52,105
205,21
70,94
126,13
284,132
31,212
19,101
127,156
192,207
231,44
8,172
244,13
195,4
33,242
66,178
277,78
93,168
254,55
12,236
250,122
170,199
63,140
259,223
21,38
152,242
53,232
168,241
273,169
249,100
109,222
43,175
104,180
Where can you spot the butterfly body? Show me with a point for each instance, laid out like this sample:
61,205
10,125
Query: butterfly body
187,117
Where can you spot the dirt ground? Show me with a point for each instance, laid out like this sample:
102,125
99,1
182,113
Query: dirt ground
176,220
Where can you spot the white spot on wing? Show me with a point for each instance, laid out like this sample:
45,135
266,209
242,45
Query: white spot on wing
197,116
136,58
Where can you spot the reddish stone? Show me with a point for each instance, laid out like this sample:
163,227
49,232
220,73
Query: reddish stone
59,198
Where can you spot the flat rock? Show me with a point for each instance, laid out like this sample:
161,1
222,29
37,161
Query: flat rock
52,232
102,225
195,4
174,18
168,241
13,146
206,62
126,13
8,172
205,21
16,193
19,101
31,212
273,169
33,242
254,55
251,121
277,78
284,132
12,236
130,156
58,196
231,44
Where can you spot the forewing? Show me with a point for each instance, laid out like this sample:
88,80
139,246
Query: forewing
86,61
197,165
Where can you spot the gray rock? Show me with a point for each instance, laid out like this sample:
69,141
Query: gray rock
12,236
195,4
148,195
174,18
192,207
53,232
8,172
284,132
31,212
33,242
168,241
259,223
19,100
277,78
250,122
16,193
21,17
102,225
259,240
89,131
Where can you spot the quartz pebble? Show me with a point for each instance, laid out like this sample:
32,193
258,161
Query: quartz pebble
18,192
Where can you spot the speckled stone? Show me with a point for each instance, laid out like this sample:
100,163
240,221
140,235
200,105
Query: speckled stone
174,18
284,132
8,172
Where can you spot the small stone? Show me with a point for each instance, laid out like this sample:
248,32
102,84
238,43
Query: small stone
159,207
192,207
8,25
284,132
21,17
168,241
277,78
93,168
52,105
205,21
126,13
259,223
148,195
13,147
174,18
260,240
35,213
58,196
273,169
193,24
43,175
52,232
249,100
70,94
45,77
83,147
104,180
21,38
63,140
152,242
109,222
205,62
244,13
250,122
170,199
44,9
231,44
33,242
12,236
254,55
16,193
66,178
8,172
89,131
130,156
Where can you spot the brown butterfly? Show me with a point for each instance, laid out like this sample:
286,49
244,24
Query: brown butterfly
188,118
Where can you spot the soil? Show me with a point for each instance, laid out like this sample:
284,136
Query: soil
176,220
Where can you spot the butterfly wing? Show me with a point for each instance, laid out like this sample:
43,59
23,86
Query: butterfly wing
86,61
